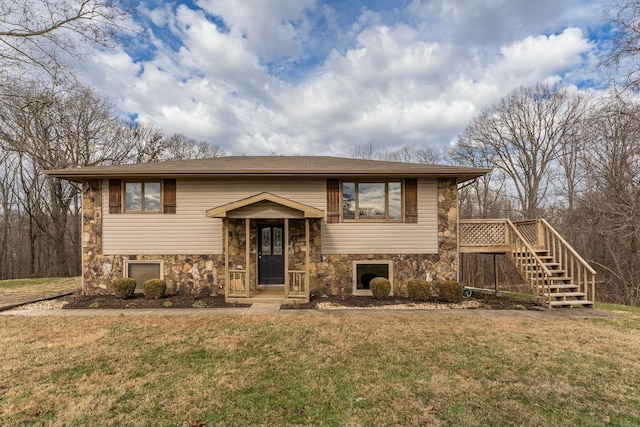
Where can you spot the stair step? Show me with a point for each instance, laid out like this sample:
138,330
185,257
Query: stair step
559,278
571,303
577,295
559,286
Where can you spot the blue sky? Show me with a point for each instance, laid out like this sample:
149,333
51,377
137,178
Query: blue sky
317,77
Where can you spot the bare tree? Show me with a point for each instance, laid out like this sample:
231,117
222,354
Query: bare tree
44,128
363,151
609,207
484,197
623,61
524,133
45,33
181,147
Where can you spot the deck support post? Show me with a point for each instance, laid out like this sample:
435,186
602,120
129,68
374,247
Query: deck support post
495,274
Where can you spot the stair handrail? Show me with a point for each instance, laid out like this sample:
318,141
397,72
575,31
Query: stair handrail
531,253
582,282
568,246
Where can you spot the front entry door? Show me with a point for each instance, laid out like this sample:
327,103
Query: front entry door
270,254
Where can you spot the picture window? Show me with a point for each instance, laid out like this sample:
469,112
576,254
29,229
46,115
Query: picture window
377,201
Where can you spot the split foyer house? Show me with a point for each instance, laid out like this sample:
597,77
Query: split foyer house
291,225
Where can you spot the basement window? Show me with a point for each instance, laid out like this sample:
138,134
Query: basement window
365,271
142,271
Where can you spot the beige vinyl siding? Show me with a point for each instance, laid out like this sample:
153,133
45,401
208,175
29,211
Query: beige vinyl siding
189,231
388,237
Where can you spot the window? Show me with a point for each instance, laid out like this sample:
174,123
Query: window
142,271
380,201
365,271
142,196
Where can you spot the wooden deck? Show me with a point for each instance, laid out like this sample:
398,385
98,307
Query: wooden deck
557,274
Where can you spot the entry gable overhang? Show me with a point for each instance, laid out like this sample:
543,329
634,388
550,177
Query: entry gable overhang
224,210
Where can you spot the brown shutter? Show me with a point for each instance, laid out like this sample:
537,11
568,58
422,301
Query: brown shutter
411,200
169,203
115,196
334,200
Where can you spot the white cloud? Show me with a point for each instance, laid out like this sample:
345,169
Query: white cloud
272,29
395,85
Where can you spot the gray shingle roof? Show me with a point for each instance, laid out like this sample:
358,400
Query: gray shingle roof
269,166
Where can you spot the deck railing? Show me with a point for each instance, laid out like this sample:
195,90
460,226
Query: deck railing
576,268
530,265
238,284
297,285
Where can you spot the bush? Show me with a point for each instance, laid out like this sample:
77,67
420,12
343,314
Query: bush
124,287
380,287
154,288
418,289
451,291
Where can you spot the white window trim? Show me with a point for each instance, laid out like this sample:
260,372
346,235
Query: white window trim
367,292
142,261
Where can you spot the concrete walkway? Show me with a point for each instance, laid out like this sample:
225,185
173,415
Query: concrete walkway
259,309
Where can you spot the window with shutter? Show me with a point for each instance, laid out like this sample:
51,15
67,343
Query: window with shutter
411,201
334,200
169,199
115,196
142,196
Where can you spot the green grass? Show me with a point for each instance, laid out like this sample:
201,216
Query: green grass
19,283
328,370
618,308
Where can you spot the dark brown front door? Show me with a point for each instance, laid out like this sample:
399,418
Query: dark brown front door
271,254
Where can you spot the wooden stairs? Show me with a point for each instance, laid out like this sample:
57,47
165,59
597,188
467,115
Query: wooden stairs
557,275
556,289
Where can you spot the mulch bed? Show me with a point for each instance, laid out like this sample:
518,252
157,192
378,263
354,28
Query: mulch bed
139,301
487,300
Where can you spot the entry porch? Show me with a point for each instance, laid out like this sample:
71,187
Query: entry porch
267,244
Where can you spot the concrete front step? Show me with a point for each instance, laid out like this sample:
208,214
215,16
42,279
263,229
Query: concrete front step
267,300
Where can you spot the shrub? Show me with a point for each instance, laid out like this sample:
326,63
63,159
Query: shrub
451,291
124,287
380,287
154,288
199,304
418,289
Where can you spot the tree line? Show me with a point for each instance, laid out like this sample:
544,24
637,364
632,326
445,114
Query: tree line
44,128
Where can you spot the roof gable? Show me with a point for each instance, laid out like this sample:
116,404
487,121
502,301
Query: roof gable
224,211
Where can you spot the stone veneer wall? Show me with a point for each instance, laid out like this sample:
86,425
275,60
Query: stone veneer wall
329,274
184,273
334,273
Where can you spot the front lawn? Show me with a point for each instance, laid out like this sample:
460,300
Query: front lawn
24,290
428,368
